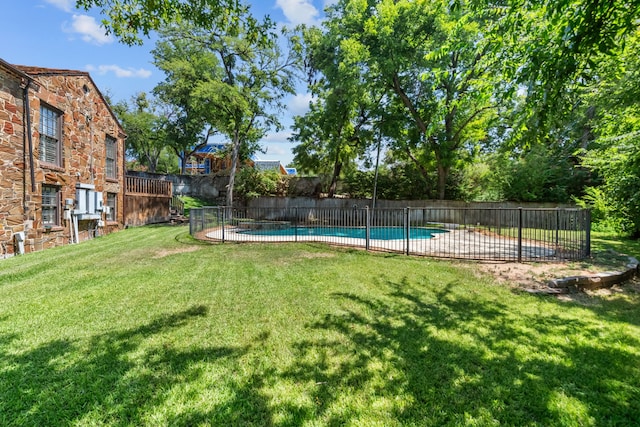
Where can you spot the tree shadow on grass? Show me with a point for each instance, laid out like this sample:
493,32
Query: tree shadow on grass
114,380
406,356
621,307
451,358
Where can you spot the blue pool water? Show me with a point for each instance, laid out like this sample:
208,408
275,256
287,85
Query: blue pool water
377,233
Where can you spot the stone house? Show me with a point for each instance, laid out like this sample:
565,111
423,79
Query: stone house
61,160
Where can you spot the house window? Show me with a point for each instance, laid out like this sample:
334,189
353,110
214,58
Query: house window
111,203
50,205
112,151
50,135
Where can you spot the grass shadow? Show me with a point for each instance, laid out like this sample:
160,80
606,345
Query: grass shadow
113,379
410,353
450,358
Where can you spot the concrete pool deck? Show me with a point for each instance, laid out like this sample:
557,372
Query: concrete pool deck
467,244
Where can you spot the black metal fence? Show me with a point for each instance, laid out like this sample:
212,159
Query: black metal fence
499,234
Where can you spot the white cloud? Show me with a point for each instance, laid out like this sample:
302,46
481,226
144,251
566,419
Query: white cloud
89,29
277,137
66,5
276,151
278,147
299,11
299,103
119,71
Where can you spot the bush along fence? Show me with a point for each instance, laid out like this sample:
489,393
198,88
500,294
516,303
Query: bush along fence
498,234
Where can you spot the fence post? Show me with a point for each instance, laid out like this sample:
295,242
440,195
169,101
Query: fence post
519,234
588,231
224,210
557,230
406,229
295,223
367,216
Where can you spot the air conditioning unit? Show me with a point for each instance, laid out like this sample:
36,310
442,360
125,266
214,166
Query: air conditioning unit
83,198
87,201
98,203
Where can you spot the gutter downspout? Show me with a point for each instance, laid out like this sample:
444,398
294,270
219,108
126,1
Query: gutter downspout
29,137
24,157
124,182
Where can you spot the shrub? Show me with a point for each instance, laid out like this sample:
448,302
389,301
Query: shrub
251,183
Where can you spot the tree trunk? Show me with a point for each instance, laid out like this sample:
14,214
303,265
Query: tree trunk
587,130
443,173
183,164
234,163
153,163
337,167
375,177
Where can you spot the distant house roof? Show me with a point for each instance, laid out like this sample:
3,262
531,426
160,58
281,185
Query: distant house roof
274,165
211,148
267,165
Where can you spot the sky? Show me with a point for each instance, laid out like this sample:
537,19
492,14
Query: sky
53,34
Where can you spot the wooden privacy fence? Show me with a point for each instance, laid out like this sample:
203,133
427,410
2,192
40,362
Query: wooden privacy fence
147,201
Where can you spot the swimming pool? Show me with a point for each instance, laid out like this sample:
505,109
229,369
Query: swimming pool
376,233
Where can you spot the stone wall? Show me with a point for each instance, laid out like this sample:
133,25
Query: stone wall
208,187
85,124
12,179
214,187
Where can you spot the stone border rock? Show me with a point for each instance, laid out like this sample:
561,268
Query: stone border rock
596,281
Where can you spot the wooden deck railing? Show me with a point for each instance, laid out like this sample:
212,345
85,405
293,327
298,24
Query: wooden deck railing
147,186
177,205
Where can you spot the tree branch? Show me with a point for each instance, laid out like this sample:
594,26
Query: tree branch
407,103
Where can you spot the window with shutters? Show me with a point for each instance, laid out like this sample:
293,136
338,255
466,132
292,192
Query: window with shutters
50,205
111,155
111,203
50,135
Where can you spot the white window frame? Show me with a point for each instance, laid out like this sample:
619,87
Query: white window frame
111,157
112,203
50,205
50,135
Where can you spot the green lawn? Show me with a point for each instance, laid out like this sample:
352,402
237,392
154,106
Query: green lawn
148,327
193,202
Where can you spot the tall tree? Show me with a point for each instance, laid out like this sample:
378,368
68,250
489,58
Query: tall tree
614,152
131,19
226,80
145,128
550,49
431,59
330,139
337,128
188,124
